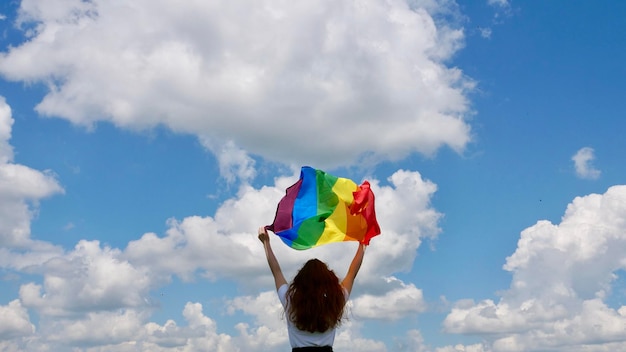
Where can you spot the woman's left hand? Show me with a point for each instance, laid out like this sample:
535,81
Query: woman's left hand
263,236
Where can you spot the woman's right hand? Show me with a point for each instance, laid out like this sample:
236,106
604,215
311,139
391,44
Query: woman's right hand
279,278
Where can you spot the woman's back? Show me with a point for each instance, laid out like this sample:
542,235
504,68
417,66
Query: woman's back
316,298
303,338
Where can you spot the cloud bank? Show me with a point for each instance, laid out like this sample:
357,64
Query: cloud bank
307,82
560,293
98,298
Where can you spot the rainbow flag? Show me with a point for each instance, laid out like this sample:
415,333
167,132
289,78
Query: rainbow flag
321,208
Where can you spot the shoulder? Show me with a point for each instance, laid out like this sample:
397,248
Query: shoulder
282,294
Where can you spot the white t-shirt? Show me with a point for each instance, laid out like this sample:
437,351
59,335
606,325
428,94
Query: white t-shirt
299,338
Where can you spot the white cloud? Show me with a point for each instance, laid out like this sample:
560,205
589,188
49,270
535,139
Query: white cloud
394,304
6,124
97,297
265,307
501,3
413,341
127,330
21,188
349,339
270,328
222,247
34,255
95,328
485,32
326,84
210,243
90,278
406,217
562,277
583,163
14,321
225,246
234,162
479,347
502,9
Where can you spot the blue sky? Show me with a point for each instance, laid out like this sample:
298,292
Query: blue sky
142,144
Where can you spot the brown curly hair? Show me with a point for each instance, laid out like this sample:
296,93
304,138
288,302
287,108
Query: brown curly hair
316,299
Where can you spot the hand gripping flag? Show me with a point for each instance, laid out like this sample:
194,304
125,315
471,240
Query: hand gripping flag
322,208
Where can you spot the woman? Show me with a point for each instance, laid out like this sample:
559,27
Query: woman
314,301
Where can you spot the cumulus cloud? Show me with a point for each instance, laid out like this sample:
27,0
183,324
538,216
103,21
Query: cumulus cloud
88,290
326,84
269,330
413,341
95,328
349,338
479,347
211,243
14,321
583,164
562,278
21,188
234,162
393,305
6,124
127,331
265,307
90,278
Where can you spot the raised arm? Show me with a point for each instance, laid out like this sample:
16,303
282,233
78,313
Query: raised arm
354,268
279,278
